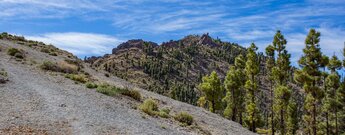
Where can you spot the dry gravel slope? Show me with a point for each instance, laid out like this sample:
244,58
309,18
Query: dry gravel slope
35,101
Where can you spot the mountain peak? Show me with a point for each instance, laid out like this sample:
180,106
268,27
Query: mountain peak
136,43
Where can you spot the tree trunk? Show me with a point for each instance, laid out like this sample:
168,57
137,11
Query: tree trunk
282,122
327,124
336,121
314,118
272,113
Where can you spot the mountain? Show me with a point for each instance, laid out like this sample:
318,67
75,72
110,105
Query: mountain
43,90
173,68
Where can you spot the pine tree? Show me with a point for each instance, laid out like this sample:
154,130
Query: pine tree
330,101
292,120
212,92
310,76
252,69
233,83
270,63
280,73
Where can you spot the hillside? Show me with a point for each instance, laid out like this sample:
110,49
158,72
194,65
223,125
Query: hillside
173,68
38,101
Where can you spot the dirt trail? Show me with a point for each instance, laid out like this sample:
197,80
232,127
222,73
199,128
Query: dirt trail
43,102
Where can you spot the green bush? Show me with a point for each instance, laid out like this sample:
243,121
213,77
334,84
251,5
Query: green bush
48,65
184,118
91,85
3,76
19,55
45,50
133,94
53,54
163,114
149,106
109,90
77,77
166,110
16,53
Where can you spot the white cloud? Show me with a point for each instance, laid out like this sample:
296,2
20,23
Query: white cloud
80,44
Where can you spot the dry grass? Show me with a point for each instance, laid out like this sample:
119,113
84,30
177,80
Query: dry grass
67,67
184,118
60,66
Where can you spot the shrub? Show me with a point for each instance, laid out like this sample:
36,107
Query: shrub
133,94
65,67
3,76
109,90
48,65
184,118
45,50
15,52
149,106
91,85
77,78
19,55
163,114
12,51
53,54
61,66
78,63
166,110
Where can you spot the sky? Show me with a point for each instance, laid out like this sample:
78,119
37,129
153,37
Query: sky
94,27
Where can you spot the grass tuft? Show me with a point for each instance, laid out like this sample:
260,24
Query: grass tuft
133,94
109,90
149,106
91,85
77,77
184,118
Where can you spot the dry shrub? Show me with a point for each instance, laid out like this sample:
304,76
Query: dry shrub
61,66
65,67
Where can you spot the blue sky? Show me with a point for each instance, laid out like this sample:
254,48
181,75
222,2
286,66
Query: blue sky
93,27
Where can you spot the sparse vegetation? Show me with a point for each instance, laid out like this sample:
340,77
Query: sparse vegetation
16,53
109,89
45,50
61,66
133,94
53,54
163,114
77,77
3,76
149,106
91,85
184,118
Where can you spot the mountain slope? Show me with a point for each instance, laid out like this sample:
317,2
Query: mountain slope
173,68
45,102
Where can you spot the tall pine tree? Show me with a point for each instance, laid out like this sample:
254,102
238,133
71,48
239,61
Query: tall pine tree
252,69
280,73
270,63
310,77
330,101
233,83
